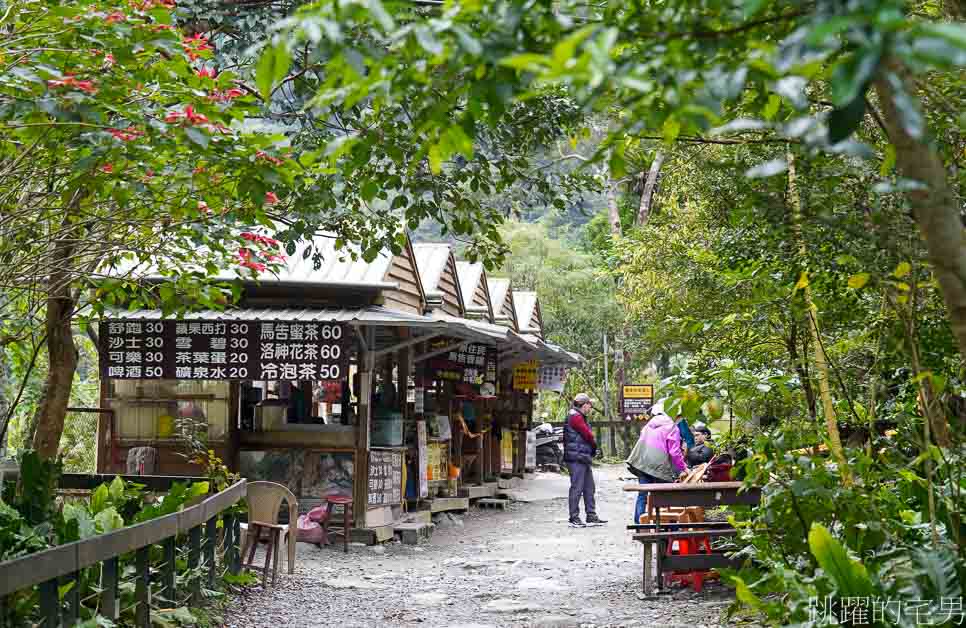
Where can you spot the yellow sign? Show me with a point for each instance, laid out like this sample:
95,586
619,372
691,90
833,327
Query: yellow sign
639,391
506,451
525,375
637,399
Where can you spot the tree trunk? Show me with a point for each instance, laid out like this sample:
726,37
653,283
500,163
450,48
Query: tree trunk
798,363
48,422
613,213
650,189
934,206
821,360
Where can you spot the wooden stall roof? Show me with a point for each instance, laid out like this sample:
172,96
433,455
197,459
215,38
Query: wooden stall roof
437,270
504,309
476,290
528,313
392,276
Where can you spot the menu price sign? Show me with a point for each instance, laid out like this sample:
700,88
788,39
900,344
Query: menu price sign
551,378
637,399
474,364
223,350
525,375
385,477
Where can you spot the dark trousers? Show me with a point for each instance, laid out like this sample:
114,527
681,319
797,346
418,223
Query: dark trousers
581,483
641,504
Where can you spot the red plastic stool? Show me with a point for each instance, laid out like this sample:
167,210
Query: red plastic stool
346,528
684,548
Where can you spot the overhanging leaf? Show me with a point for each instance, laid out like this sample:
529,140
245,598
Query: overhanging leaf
849,576
858,281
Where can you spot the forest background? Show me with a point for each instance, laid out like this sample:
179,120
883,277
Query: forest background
760,205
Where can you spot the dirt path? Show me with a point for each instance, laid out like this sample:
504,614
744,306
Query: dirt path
522,567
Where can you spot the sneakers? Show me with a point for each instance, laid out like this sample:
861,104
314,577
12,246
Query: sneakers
594,520
577,523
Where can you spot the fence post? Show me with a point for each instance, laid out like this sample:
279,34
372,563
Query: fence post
72,597
50,603
235,549
168,571
211,534
109,601
194,554
142,588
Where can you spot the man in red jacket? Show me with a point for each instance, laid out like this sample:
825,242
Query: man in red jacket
580,447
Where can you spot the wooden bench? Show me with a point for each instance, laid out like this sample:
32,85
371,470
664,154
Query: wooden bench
675,512
666,561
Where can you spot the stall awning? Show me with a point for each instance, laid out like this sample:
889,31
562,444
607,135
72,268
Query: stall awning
373,315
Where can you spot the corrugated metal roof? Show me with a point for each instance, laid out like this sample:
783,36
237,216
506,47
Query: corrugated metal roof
431,259
470,274
336,267
526,305
371,315
499,293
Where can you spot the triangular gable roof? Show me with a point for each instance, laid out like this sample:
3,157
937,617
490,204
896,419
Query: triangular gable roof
476,289
437,270
501,296
528,313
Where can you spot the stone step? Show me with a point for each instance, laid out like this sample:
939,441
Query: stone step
444,504
413,533
476,491
490,502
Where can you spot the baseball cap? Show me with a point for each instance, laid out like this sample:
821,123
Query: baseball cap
582,398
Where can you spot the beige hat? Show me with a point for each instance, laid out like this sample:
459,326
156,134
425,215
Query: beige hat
581,398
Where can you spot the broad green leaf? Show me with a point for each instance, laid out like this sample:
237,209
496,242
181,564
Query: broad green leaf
529,62
849,576
117,488
802,282
378,11
108,520
954,32
435,159
843,121
272,67
902,270
858,280
888,160
567,48
100,498
670,130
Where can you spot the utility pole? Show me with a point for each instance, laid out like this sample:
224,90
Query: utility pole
610,428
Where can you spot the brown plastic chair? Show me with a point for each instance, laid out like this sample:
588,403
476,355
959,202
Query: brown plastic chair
264,500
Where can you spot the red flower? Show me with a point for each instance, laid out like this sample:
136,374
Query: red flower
270,198
117,16
162,27
109,59
107,168
188,114
206,72
126,135
195,45
203,206
71,81
255,266
198,170
263,155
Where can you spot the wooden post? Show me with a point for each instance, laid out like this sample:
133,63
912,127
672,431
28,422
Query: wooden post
109,602
211,534
50,603
72,597
168,571
142,588
194,557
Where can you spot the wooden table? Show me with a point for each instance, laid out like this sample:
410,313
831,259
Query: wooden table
708,495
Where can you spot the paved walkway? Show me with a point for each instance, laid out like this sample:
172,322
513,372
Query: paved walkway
522,567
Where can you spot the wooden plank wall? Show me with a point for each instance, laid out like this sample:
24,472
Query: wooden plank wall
408,297
449,286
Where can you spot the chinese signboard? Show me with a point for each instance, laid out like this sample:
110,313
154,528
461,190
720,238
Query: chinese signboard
220,350
385,477
551,378
473,364
525,376
637,399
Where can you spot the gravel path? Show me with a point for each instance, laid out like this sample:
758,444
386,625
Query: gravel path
521,567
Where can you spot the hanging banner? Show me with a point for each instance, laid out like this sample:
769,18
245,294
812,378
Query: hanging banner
551,378
223,350
506,451
637,399
525,375
423,461
385,477
472,366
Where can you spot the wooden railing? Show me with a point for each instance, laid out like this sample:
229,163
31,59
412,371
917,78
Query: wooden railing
53,568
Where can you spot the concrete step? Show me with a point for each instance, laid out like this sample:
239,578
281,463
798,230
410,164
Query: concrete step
444,504
413,533
490,502
476,491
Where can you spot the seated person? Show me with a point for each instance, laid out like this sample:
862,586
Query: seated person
702,451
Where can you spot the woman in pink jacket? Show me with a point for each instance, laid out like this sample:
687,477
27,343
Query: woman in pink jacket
657,456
